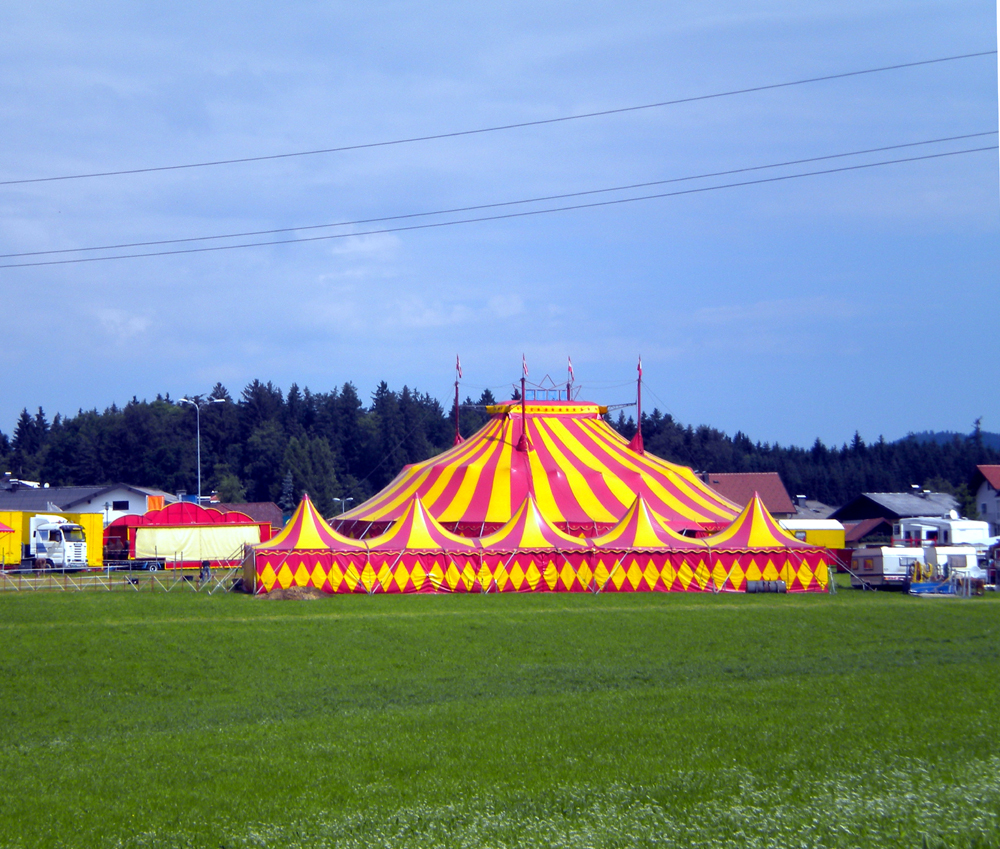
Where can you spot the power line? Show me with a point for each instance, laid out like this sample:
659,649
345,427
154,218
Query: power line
499,127
508,215
454,210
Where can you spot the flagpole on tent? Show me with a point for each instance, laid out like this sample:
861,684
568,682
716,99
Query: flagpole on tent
636,443
458,375
522,442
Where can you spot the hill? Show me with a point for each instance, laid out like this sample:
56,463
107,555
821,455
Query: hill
943,437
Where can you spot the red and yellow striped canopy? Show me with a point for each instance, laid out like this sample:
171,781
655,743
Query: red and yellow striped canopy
641,529
754,528
581,473
308,531
416,530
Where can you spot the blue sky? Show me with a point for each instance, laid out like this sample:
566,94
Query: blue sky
864,300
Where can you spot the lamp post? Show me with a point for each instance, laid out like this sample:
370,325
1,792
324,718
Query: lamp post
343,502
197,409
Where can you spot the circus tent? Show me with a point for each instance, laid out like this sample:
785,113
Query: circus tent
530,554
582,474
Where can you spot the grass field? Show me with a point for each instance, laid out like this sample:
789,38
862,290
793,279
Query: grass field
169,720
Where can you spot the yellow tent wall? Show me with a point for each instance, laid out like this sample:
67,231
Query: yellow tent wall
10,544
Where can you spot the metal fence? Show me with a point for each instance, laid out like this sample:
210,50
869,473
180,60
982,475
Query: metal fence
207,581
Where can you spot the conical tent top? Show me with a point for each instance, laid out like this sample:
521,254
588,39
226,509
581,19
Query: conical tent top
641,528
755,527
528,530
307,530
418,530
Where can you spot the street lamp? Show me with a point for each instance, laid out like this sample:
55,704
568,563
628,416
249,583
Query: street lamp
343,502
197,409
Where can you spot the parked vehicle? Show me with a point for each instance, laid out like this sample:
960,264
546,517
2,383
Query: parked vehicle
931,530
886,566
54,543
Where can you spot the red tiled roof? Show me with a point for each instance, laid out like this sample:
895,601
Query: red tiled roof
856,531
741,486
991,474
259,511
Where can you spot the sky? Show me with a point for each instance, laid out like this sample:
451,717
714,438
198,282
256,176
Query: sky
863,300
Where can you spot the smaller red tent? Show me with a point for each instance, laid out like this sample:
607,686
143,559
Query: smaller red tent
184,534
308,552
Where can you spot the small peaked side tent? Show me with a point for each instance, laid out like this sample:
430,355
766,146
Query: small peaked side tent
581,473
308,552
417,555
756,548
529,554
642,554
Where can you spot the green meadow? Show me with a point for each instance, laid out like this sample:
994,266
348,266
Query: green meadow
176,720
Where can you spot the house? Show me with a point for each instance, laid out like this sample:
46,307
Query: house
111,500
895,506
868,532
986,486
739,488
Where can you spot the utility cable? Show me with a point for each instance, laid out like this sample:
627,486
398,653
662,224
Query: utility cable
503,216
499,127
458,209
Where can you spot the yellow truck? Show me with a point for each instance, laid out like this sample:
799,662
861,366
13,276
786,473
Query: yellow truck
62,541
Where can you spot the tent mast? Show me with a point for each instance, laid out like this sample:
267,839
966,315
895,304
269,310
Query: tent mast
636,443
458,374
522,442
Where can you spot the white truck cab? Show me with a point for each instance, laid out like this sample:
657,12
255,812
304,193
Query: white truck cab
56,542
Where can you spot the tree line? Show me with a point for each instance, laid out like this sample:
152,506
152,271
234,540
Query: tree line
270,445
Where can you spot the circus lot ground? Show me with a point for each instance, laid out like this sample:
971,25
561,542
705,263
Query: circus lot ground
169,720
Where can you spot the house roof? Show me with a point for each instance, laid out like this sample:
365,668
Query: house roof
259,511
141,490
65,498
857,531
741,486
810,508
896,505
39,500
991,474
